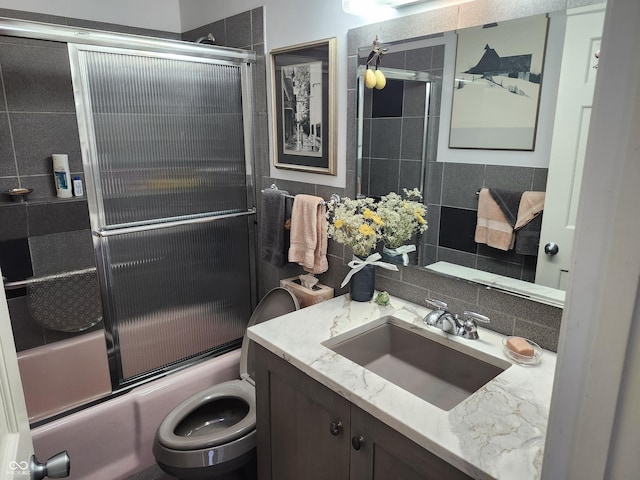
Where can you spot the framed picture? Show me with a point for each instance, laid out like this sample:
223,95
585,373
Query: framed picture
304,92
496,93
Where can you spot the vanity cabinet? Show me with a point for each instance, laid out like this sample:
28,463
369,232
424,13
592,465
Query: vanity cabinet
306,431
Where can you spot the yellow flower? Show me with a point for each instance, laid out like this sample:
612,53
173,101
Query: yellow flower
377,220
338,223
368,214
366,230
420,218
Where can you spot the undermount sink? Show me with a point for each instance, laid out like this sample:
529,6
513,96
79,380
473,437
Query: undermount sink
437,373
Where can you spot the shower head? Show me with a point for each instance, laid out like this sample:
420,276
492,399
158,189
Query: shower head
208,40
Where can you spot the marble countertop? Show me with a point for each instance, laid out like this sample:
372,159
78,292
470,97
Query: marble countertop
496,433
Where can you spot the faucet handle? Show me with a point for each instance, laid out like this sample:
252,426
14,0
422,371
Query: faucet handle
433,318
439,304
477,316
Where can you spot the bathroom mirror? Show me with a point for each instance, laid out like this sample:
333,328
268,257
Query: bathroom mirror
392,132
451,177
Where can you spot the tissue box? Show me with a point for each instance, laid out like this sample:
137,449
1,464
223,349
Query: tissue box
319,292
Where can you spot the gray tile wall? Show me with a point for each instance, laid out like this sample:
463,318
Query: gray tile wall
454,185
392,146
37,118
510,315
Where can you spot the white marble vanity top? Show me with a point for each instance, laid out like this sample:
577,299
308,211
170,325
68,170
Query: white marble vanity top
496,433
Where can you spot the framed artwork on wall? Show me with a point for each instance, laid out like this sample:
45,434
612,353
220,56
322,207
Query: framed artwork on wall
303,99
498,75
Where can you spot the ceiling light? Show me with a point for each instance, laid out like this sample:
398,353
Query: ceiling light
358,6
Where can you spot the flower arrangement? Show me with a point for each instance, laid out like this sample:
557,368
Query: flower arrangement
402,216
360,224
355,224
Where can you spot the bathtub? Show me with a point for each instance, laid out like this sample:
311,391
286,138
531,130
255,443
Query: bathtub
113,439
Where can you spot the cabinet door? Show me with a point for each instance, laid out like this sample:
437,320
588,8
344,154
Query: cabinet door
302,427
381,453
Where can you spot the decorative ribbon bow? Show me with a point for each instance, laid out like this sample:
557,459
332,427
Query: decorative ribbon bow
403,250
357,265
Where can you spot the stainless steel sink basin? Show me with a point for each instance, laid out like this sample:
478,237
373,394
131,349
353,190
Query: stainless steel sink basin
437,373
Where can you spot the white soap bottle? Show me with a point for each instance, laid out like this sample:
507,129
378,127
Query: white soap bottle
62,175
78,191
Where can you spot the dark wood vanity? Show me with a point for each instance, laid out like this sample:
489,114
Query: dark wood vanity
307,431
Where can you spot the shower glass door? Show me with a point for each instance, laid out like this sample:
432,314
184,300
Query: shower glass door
169,189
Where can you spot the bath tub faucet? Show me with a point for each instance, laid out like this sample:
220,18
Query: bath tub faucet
452,323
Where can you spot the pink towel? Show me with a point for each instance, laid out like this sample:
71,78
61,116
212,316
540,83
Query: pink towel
309,234
531,204
493,228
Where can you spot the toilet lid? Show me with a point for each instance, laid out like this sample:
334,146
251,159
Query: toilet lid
275,303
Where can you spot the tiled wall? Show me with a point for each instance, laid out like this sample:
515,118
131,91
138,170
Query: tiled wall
44,235
452,210
509,314
393,137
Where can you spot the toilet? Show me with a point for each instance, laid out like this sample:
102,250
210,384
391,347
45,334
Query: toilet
212,434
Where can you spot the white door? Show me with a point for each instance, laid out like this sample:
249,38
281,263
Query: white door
571,127
16,447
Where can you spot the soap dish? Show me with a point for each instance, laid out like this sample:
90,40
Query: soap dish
521,359
18,194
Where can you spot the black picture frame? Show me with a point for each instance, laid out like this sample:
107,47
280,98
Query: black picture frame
303,98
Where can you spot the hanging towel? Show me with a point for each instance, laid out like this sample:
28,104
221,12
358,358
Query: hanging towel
288,209
509,202
272,232
531,205
529,223
493,228
309,234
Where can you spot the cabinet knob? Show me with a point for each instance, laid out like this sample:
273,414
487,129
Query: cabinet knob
335,428
357,442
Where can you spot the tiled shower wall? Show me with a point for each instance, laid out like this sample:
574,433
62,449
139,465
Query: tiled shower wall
47,235
44,235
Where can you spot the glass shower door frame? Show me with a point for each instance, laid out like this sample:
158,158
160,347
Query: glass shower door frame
94,194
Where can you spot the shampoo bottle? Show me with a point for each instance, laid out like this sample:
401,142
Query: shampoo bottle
62,175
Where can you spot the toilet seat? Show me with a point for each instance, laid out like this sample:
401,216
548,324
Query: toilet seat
240,389
185,449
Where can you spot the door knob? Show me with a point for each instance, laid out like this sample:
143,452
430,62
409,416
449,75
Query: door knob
551,248
335,428
357,442
57,466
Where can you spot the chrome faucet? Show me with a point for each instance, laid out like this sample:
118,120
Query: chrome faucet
452,323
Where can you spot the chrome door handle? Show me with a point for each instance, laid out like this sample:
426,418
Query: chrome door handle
551,248
57,466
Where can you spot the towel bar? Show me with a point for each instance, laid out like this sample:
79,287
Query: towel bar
335,198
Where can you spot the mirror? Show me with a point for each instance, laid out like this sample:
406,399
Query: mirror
392,132
450,178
